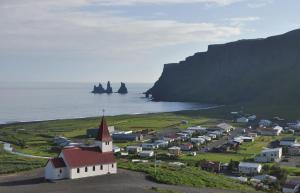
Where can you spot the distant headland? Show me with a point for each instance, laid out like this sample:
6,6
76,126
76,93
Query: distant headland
100,90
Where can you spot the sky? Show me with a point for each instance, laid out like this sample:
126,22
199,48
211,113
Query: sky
125,40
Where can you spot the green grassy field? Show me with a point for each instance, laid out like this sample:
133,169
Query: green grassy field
10,163
247,151
190,176
36,138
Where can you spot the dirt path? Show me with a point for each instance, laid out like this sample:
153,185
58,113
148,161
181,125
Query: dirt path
8,148
123,182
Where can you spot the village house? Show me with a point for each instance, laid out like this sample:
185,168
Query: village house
290,188
252,118
264,178
288,141
120,136
253,135
93,132
242,120
149,146
225,127
244,139
213,136
197,141
268,131
146,154
174,150
210,166
161,143
265,123
62,141
134,149
249,168
294,150
79,162
186,147
269,155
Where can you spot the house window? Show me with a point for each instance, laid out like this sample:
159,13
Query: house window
101,167
86,169
112,165
93,168
60,171
78,170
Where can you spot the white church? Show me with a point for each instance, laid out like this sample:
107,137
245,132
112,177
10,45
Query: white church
79,162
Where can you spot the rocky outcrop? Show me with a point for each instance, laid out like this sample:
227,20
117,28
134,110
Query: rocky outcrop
109,89
123,89
98,89
264,71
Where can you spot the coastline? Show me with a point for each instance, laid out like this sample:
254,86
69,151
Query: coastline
93,117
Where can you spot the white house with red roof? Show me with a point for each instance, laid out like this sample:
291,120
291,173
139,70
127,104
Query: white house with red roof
80,162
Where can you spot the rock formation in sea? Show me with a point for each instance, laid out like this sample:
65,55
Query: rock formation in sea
123,89
98,89
109,88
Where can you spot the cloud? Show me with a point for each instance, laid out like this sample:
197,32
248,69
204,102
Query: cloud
259,3
51,27
242,20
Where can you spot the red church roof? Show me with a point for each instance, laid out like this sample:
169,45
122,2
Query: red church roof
103,134
58,162
87,156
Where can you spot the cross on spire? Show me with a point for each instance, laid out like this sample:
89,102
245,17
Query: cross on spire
103,111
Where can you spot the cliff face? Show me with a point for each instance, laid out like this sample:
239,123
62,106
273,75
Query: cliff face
264,70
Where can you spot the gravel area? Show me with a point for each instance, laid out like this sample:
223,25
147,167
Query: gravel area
123,182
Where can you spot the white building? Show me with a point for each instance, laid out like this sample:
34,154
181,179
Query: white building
249,168
79,162
242,120
134,149
146,154
225,127
149,146
269,155
198,140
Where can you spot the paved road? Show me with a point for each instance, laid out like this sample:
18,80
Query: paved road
8,148
123,182
235,133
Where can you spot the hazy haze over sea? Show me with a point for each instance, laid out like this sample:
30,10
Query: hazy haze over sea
47,101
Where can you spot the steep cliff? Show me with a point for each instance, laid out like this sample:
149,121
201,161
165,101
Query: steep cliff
246,71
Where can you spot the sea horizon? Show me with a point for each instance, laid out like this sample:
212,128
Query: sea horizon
45,101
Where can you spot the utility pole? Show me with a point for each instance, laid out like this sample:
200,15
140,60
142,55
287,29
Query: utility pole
155,163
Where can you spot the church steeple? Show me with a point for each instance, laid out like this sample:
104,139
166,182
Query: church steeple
103,134
103,139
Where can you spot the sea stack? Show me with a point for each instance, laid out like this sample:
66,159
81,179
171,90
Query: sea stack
108,88
123,89
98,89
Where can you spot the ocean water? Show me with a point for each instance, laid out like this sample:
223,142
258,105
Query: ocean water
22,102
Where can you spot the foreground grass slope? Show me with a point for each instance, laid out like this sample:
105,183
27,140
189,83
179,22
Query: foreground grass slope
10,163
190,176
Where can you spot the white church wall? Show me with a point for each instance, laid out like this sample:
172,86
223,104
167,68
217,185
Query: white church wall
52,173
105,169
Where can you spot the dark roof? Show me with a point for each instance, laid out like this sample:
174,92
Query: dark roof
87,156
290,185
103,134
58,162
288,139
